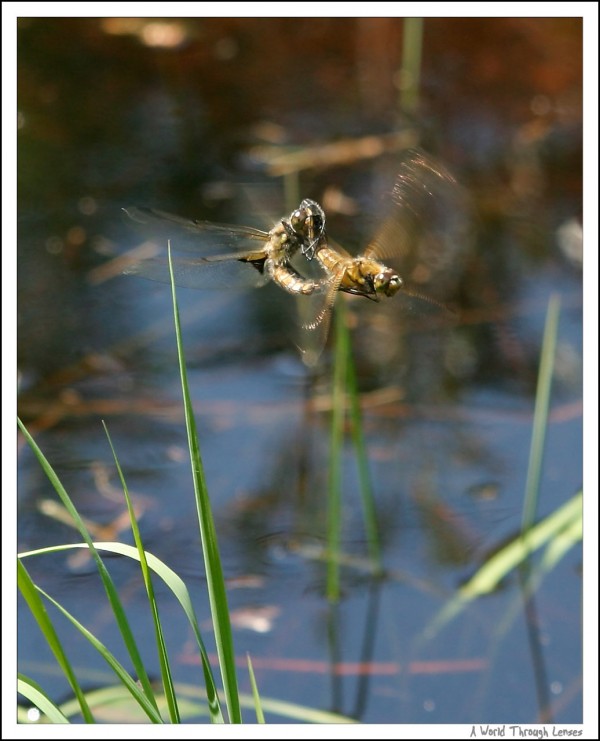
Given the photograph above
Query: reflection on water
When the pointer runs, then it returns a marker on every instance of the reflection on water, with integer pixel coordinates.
(178, 115)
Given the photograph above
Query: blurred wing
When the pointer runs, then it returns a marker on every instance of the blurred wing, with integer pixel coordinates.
(338, 248)
(315, 318)
(198, 237)
(223, 271)
(425, 231)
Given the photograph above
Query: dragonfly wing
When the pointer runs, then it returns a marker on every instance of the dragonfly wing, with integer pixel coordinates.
(197, 237)
(338, 248)
(425, 231)
(225, 272)
(315, 318)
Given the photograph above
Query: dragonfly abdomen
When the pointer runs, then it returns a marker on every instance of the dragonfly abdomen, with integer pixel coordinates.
(291, 281)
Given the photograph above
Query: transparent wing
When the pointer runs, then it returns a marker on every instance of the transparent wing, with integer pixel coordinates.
(425, 231)
(222, 271)
(314, 313)
(197, 237)
(338, 248)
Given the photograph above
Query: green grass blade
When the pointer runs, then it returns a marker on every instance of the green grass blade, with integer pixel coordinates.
(113, 704)
(291, 711)
(540, 415)
(165, 669)
(282, 708)
(561, 540)
(36, 695)
(38, 610)
(173, 582)
(334, 494)
(412, 46)
(559, 532)
(512, 555)
(148, 706)
(260, 718)
(107, 581)
(362, 460)
(564, 539)
(214, 573)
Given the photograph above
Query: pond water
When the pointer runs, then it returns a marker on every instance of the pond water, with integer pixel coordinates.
(228, 120)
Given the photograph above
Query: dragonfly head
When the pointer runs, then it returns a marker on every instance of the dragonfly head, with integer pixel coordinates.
(387, 282)
(308, 226)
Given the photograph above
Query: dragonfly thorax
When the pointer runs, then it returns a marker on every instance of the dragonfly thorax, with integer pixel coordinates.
(369, 277)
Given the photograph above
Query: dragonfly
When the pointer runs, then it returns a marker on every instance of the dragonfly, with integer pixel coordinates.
(297, 255)
(258, 256)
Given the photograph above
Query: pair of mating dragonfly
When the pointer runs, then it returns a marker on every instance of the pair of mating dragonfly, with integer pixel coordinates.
(296, 253)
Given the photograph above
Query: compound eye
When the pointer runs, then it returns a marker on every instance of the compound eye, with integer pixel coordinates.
(394, 284)
(315, 216)
(316, 222)
(387, 282)
(298, 218)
